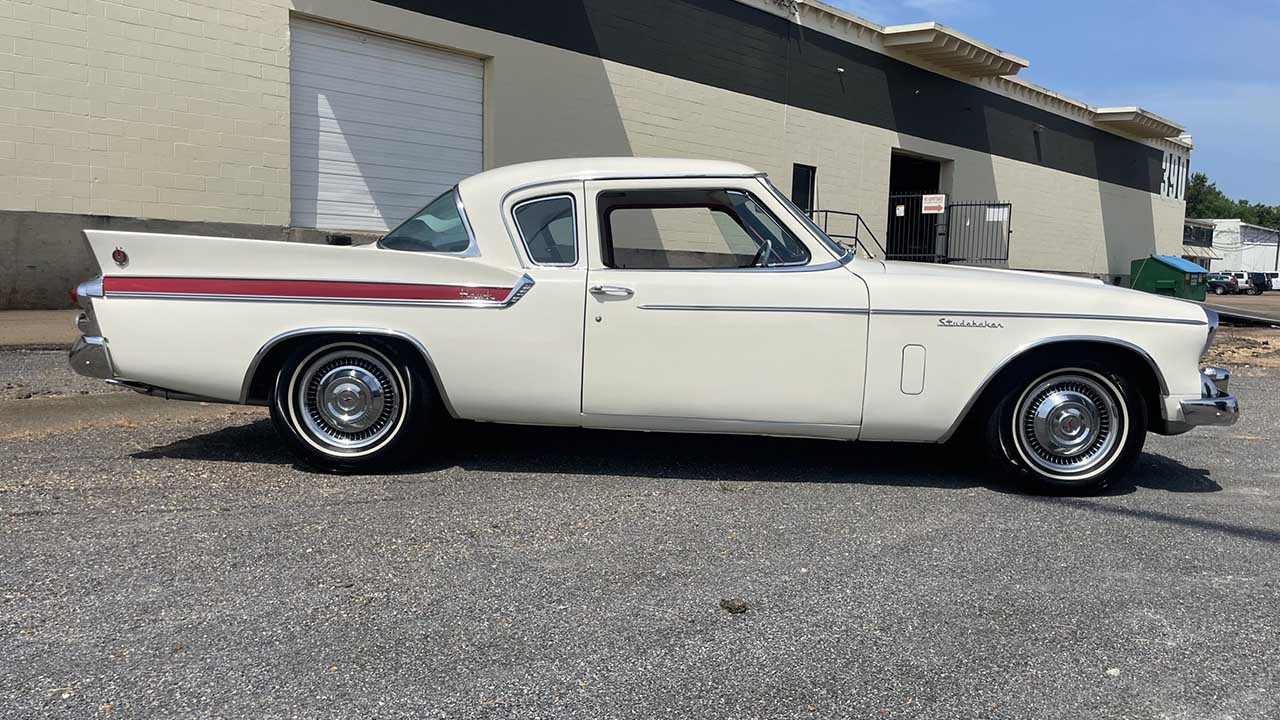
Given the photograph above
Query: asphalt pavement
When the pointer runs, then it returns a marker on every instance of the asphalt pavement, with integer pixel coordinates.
(164, 559)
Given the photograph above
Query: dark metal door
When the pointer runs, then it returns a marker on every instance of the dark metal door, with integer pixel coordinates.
(977, 233)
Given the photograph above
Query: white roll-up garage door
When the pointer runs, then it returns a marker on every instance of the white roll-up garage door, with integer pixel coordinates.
(378, 127)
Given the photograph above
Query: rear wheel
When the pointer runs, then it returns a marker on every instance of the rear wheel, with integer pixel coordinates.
(349, 406)
(1068, 430)
(1219, 290)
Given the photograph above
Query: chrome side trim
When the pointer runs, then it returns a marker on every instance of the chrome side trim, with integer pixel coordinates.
(760, 308)
(310, 300)
(982, 386)
(818, 267)
(345, 330)
(519, 290)
(520, 233)
(1034, 315)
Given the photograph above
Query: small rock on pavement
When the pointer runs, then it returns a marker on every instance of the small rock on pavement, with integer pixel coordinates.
(734, 606)
(1114, 672)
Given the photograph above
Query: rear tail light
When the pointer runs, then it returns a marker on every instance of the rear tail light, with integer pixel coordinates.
(85, 291)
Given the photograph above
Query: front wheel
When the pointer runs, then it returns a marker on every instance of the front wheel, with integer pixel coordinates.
(1219, 290)
(348, 406)
(1069, 430)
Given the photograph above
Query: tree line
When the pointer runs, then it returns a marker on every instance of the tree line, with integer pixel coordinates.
(1205, 200)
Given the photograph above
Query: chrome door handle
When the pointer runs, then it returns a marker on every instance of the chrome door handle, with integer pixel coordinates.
(613, 290)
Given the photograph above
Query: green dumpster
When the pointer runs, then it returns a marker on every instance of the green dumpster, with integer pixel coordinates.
(1168, 275)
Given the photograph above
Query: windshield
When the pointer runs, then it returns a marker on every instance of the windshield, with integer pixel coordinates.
(438, 227)
(837, 248)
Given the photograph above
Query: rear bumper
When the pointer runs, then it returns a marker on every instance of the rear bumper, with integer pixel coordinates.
(1215, 406)
(90, 357)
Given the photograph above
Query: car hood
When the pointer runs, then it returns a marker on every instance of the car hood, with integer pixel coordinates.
(975, 290)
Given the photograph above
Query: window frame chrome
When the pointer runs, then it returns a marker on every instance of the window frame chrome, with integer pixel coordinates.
(807, 265)
(573, 203)
(473, 247)
(842, 253)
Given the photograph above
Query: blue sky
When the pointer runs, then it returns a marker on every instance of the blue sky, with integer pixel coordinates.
(1213, 66)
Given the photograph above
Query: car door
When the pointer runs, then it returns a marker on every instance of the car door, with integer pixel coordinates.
(683, 332)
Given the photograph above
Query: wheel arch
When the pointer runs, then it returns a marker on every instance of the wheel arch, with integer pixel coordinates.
(1146, 373)
(257, 379)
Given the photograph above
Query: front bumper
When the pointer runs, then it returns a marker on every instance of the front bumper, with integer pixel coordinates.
(1215, 406)
(90, 357)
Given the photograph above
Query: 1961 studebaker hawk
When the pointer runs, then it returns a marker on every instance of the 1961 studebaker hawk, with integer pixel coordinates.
(645, 294)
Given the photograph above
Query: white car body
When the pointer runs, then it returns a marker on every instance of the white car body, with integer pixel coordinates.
(843, 346)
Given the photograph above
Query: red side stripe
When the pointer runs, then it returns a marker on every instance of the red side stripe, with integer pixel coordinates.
(301, 289)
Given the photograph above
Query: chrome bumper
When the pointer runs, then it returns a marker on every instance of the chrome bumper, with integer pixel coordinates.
(1215, 406)
(90, 357)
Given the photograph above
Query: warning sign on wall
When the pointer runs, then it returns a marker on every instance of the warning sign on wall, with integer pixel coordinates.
(934, 205)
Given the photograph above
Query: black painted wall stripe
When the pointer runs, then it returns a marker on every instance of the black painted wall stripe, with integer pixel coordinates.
(726, 44)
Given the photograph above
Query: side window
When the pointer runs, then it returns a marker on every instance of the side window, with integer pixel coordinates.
(438, 227)
(548, 230)
(692, 230)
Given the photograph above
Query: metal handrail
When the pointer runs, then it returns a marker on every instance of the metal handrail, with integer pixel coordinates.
(858, 225)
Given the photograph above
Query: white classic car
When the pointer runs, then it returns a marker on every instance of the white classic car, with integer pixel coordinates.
(645, 294)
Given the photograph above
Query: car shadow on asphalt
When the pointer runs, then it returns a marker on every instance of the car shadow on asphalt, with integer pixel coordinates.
(671, 456)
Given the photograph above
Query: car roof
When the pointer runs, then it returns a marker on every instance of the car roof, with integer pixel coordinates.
(502, 179)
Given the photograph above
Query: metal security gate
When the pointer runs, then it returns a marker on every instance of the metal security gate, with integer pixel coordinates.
(911, 234)
(978, 233)
(972, 233)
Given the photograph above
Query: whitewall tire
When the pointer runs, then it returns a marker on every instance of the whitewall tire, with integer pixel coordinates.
(348, 406)
(1068, 430)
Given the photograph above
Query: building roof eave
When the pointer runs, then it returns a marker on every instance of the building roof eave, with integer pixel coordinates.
(1137, 121)
(944, 47)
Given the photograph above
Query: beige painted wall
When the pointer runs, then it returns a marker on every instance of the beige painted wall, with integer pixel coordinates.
(178, 110)
(173, 109)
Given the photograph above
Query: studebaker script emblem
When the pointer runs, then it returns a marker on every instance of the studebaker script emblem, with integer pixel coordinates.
(948, 322)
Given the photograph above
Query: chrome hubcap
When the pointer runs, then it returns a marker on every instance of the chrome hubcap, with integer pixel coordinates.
(1069, 424)
(349, 399)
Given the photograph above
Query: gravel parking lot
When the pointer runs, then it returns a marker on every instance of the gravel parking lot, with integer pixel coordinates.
(170, 560)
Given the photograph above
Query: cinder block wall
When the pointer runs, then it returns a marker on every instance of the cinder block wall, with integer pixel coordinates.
(177, 111)
(169, 109)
